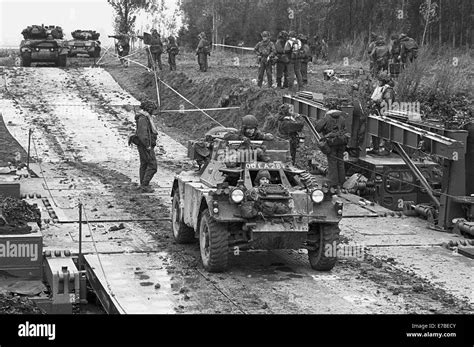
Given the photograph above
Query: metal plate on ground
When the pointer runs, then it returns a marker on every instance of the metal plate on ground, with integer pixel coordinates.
(134, 284)
(467, 251)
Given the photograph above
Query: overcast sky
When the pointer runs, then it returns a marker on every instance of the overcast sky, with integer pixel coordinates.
(15, 15)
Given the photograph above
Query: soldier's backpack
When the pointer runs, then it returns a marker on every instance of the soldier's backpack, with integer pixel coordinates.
(297, 51)
(337, 138)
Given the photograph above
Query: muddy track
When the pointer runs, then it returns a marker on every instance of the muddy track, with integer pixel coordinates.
(257, 281)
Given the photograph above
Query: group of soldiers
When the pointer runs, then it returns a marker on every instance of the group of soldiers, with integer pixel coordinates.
(290, 53)
(400, 50)
(155, 49)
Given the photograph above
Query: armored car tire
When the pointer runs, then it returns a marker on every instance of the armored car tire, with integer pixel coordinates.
(323, 238)
(26, 60)
(181, 232)
(213, 243)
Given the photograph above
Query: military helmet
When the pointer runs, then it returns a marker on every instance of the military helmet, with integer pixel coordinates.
(402, 36)
(384, 77)
(302, 37)
(292, 33)
(260, 175)
(265, 34)
(249, 121)
(283, 34)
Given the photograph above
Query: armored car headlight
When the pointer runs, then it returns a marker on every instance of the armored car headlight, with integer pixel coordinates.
(317, 196)
(237, 195)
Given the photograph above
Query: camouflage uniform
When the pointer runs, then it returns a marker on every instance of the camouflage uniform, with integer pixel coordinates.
(283, 60)
(289, 125)
(265, 51)
(305, 59)
(379, 56)
(156, 49)
(292, 46)
(333, 124)
(409, 49)
(172, 51)
(202, 51)
(147, 136)
(122, 46)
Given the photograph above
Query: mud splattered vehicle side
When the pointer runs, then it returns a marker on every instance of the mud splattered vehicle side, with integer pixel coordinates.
(43, 45)
(221, 207)
(84, 42)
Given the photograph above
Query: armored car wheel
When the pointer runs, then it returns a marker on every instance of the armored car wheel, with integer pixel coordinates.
(181, 232)
(324, 239)
(213, 243)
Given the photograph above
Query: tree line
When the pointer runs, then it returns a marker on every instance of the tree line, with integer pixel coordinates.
(233, 22)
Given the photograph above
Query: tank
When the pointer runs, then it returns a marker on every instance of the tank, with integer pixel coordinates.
(227, 209)
(43, 44)
(84, 42)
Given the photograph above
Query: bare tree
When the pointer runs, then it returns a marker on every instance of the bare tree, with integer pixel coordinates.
(428, 12)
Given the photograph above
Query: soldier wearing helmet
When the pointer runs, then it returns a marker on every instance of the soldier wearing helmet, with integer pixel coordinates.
(156, 49)
(249, 131)
(333, 129)
(173, 50)
(289, 127)
(379, 55)
(305, 57)
(266, 53)
(202, 51)
(408, 49)
(292, 49)
(282, 60)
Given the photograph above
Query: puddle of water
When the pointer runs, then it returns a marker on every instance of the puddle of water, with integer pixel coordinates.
(146, 284)
(325, 277)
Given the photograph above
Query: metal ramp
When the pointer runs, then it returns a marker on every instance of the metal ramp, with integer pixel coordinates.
(131, 283)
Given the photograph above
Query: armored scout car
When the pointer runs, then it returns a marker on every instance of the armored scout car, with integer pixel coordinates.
(223, 206)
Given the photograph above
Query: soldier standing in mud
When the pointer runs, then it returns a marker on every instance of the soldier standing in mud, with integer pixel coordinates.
(202, 51)
(282, 60)
(289, 126)
(145, 139)
(333, 128)
(172, 51)
(266, 52)
(122, 47)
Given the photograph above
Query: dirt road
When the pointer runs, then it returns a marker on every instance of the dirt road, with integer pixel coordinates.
(81, 119)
